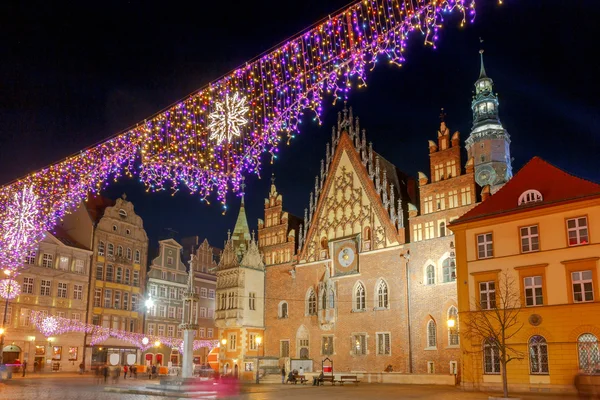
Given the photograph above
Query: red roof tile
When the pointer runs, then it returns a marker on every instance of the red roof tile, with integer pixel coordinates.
(554, 184)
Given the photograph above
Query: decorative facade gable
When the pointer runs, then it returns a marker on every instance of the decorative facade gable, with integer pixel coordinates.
(350, 204)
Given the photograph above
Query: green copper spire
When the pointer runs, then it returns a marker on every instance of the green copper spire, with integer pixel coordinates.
(482, 69)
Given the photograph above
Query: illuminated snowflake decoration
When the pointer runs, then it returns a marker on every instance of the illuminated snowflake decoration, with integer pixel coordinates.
(21, 227)
(226, 120)
(49, 326)
(9, 289)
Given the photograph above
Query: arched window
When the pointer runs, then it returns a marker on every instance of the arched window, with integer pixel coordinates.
(491, 358)
(120, 251)
(449, 270)
(442, 229)
(323, 243)
(430, 275)
(119, 275)
(101, 248)
(359, 297)
(324, 299)
(311, 306)
(331, 298)
(137, 256)
(538, 355)
(382, 295)
(111, 250)
(129, 253)
(589, 356)
(452, 326)
(431, 334)
(283, 309)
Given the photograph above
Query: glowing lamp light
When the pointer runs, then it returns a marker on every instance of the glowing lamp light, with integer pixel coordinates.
(451, 323)
(145, 341)
(157, 343)
(258, 340)
(2, 331)
(224, 342)
(9, 289)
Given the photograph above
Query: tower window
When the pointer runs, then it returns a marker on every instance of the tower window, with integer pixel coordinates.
(482, 158)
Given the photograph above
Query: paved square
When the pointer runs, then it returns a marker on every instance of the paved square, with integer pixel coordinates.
(77, 387)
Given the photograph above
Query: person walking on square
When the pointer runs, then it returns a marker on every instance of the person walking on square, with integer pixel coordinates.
(105, 373)
(125, 369)
(283, 375)
(24, 367)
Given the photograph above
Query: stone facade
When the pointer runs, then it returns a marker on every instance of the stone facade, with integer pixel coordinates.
(119, 263)
(204, 264)
(167, 280)
(240, 302)
(54, 281)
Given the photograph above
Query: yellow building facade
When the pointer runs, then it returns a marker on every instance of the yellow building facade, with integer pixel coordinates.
(542, 232)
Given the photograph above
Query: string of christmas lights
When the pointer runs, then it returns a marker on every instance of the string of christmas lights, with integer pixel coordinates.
(51, 326)
(9, 289)
(207, 141)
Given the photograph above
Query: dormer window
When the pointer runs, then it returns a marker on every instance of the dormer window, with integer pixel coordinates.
(122, 213)
(530, 196)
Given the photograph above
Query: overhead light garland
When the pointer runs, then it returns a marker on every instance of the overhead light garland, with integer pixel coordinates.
(207, 141)
(51, 326)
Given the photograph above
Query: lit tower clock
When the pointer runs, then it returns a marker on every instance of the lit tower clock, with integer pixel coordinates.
(489, 142)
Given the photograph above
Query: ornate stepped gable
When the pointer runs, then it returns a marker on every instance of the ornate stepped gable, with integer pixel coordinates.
(357, 192)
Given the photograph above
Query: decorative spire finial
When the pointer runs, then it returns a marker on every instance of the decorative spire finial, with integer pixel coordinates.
(482, 73)
(272, 178)
(243, 187)
(442, 115)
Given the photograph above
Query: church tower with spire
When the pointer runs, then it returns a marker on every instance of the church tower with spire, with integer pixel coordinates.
(240, 300)
(489, 143)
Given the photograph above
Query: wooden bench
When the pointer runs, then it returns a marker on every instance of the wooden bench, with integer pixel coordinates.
(327, 378)
(348, 378)
(300, 378)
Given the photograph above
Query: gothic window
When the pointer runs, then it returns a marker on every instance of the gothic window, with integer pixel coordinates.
(431, 334)
(442, 229)
(449, 270)
(311, 302)
(324, 299)
(382, 295)
(111, 250)
(538, 355)
(359, 297)
(283, 309)
(452, 326)
(323, 243)
(331, 298)
(367, 233)
(430, 275)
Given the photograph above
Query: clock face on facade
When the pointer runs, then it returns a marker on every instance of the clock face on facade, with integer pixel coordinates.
(346, 256)
(485, 176)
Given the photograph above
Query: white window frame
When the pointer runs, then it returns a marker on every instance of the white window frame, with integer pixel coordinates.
(45, 287)
(485, 290)
(485, 245)
(47, 260)
(577, 280)
(530, 238)
(359, 344)
(530, 284)
(577, 230)
(491, 352)
(28, 285)
(77, 292)
(431, 334)
(203, 292)
(381, 338)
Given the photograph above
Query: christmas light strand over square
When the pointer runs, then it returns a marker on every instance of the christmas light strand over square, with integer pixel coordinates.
(174, 148)
(54, 326)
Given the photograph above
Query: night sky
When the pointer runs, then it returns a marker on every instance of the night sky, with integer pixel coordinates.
(72, 76)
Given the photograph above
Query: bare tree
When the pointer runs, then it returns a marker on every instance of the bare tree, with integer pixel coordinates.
(495, 321)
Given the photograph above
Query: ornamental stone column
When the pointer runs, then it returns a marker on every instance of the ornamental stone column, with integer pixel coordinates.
(189, 324)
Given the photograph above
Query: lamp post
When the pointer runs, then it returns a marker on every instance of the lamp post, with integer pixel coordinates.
(222, 358)
(11, 292)
(258, 340)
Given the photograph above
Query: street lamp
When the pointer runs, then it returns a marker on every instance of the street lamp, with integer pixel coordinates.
(257, 340)
(451, 323)
(12, 290)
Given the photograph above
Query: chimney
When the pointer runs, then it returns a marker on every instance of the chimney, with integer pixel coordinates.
(485, 193)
